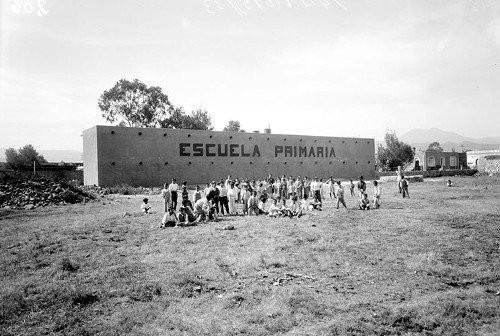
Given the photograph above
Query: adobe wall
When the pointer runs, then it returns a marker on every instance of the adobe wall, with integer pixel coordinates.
(152, 156)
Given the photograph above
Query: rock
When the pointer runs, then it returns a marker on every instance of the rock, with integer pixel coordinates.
(29, 207)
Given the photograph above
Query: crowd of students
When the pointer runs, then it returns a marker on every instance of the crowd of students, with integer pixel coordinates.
(273, 197)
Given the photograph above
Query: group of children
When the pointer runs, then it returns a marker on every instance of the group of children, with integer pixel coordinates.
(290, 197)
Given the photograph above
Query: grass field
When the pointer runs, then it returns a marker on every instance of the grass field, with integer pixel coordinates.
(428, 265)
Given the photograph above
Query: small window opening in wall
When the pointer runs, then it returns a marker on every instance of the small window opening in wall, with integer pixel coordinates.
(249, 138)
(231, 137)
(285, 162)
(112, 132)
(356, 162)
(315, 140)
(164, 134)
(343, 162)
(189, 162)
(232, 162)
(369, 162)
(211, 162)
(166, 163)
(330, 162)
(330, 141)
(368, 142)
(189, 135)
(268, 139)
(211, 136)
(301, 162)
(284, 139)
(140, 133)
(343, 141)
(250, 162)
(356, 141)
(113, 163)
(301, 140)
(316, 162)
(268, 162)
(140, 163)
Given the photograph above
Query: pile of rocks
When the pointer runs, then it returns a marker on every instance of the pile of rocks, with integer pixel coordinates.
(122, 189)
(29, 194)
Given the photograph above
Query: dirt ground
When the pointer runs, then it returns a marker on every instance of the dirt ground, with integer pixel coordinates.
(427, 265)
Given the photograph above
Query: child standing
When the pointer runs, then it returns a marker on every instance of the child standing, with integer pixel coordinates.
(403, 184)
(245, 196)
(377, 191)
(351, 188)
(232, 194)
(173, 188)
(253, 204)
(197, 194)
(165, 194)
(361, 187)
(339, 195)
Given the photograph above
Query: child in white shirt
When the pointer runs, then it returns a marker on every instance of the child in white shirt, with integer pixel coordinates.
(145, 207)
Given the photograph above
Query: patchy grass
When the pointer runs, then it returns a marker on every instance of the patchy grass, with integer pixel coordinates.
(428, 265)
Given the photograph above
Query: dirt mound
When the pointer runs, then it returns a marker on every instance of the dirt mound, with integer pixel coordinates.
(29, 194)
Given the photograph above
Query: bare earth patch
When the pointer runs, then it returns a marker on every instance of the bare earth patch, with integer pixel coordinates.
(428, 265)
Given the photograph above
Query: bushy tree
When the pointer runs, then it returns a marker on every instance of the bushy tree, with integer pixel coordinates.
(198, 120)
(435, 146)
(134, 104)
(233, 126)
(395, 153)
(25, 156)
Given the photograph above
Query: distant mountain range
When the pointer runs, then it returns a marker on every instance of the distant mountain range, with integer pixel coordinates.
(54, 155)
(421, 138)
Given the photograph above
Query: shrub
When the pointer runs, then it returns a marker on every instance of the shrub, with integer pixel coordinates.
(67, 266)
(69, 196)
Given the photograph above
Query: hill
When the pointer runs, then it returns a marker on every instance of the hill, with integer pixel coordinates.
(421, 138)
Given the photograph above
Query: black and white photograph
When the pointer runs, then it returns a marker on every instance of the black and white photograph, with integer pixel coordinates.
(249, 167)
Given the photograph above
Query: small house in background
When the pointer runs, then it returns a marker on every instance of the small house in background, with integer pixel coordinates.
(436, 160)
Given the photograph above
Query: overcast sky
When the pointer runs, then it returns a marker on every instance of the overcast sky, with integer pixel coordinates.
(313, 67)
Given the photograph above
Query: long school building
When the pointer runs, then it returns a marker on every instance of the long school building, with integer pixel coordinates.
(114, 155)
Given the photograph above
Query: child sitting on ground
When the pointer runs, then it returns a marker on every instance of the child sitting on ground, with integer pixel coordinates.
(285, 211)
(295, 208)
(364, 202)
(316, 204)
(145, 207)
(304, 204)
(274, 209)
(186, 215)
(169, 219)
